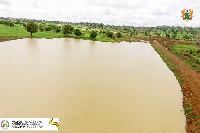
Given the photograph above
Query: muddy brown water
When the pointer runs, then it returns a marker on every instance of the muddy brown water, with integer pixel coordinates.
(92, 87)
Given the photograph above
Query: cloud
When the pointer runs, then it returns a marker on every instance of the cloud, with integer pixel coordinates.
(113, 12)
(5, 2)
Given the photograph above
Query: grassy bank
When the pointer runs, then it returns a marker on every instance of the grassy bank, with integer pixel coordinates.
(187, 53)
(19, 31)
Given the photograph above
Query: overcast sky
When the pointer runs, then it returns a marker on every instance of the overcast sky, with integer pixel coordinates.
(113, 12)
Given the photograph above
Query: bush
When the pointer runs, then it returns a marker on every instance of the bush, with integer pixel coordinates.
(119, 34)
(41, 27)
(109, 34)
(24, 24)
(47, 28)
(11, 24)
(93, 34)
(58, 29)
(5, 22)
(77, 32)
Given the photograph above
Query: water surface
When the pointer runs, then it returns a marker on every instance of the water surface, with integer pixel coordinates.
(93, 87)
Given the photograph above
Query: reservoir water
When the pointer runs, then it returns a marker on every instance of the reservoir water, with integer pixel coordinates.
(92, 87)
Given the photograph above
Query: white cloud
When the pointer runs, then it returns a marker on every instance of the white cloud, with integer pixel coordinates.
(5, 2)
(114, 12)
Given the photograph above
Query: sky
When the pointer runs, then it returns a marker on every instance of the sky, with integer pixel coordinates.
(113, 12)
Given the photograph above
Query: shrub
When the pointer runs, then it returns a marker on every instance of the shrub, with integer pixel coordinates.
(77, 32)
(47, 28)
(119, 34)
(109, 34)
(93, 34)
(58, 29)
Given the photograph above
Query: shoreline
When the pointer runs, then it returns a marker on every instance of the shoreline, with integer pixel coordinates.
(189, 80)
(3, 39)
(188, 77)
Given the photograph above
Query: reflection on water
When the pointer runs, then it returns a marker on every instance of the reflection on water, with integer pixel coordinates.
(32, 41)
(93, 87)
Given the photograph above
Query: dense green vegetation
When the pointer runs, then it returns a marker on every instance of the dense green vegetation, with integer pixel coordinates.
(50, 29)
(190, 54)
(77, 32)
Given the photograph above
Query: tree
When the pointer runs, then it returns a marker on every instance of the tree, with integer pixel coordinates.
(32, 27)
(119, 34)
(101, 25)
(109, 34)
(77, 32)
(47, 28)
(67, 29)
(41, 27)
(58, 29)
(93, 34)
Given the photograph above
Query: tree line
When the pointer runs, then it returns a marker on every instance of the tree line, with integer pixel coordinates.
(181, 33)
(67, 29)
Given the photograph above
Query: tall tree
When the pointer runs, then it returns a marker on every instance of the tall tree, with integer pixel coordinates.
(67, 29)
(32, 27)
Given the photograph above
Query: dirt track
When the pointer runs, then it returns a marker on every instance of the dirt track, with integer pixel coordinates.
(190, 87)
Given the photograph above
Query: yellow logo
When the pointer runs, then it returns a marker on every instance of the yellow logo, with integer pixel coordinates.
(187, 14)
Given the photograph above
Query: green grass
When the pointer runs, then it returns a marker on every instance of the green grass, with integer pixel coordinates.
(16, 31)
(189, 114)
(188, 53)
(19, 31)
